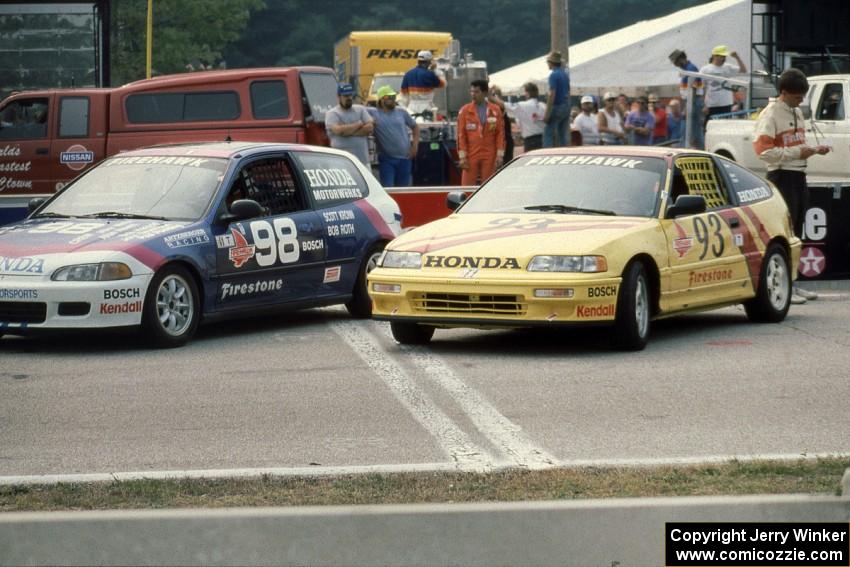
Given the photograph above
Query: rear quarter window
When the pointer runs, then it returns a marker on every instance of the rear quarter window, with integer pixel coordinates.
(331, 180)
(746, 186)
(269, 99)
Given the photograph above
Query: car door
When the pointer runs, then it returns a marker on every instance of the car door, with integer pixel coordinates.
(830, 125)
(276, 257)
(706, 265)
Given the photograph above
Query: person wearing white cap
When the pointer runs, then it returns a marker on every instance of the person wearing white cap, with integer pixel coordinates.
(719, 98)
(610, 122)
(586, 123)
(418, 84)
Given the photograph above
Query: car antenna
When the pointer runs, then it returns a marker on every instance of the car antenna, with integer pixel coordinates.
(228, 138)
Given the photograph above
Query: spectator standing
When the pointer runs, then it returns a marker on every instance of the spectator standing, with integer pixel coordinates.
(718, 98)
(675, 122)
(639, 123)
(780, 142)
(418, 84)
(349, 125)
(557, 104)
(587, 123)
(624, 105)
(480, 136)
(610, 122)
(659, 132)
(495, 97)
(397, 137)
(529, 115)
(680, 60)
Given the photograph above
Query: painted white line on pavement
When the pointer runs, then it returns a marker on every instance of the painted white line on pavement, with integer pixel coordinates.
(507, 436)
(454, 441)
(319, 471)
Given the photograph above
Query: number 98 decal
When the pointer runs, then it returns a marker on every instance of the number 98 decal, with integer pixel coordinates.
(709, 235)
(275, 241)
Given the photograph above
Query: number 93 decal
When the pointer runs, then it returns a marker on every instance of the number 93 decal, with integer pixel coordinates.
(709, 235)
(275, 241)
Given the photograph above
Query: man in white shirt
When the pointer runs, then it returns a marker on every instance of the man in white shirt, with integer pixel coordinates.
(586, 123)
(719, 98)
(529, 115)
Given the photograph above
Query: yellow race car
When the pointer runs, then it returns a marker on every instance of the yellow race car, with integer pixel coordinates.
(593, 235)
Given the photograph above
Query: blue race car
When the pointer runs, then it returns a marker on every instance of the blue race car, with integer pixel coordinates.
(168, 236)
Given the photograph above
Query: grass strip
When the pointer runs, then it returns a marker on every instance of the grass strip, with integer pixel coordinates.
(821, 476)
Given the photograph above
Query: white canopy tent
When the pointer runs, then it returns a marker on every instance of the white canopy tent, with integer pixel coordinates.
(634, 59)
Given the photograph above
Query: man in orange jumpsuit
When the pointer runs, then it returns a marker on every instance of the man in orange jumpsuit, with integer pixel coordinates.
(480, 136)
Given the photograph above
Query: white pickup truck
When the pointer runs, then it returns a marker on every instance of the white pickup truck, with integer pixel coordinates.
(827, 123)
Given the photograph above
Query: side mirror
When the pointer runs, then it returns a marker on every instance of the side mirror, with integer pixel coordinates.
(243, 209)
(686, 205)
(455, 199)
(34, 204)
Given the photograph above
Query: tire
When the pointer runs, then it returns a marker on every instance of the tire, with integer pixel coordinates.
(773, 297)
(172, 308)
(360, 305)
(634, 310)
(407, 333)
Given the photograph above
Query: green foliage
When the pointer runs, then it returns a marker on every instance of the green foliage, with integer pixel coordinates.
(185, 32)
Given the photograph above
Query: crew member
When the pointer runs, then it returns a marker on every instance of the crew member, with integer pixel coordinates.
(418, 84)
(480, 136)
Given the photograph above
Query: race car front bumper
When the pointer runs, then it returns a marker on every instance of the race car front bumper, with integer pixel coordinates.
(533, 300)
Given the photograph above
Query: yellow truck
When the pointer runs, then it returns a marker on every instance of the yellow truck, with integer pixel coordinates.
(361, 54)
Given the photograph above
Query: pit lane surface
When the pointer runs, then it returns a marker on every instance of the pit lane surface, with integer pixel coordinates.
(316, 389)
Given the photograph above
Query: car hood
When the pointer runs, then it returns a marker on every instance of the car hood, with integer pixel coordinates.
(38, 246)
(519, 236)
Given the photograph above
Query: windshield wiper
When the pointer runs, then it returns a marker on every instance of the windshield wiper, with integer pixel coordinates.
(117, 215)
(51, 215)
(569, 209)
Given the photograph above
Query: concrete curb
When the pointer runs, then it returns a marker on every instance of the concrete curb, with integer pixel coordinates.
(622, 532)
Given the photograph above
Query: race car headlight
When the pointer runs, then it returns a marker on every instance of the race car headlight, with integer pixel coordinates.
(568, 264)
(396, 259)
(102, 272)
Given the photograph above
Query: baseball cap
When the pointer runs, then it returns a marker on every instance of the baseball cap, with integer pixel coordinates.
(587, 98)
(345, 89)
(386, 90)
(720, 50)
(653, 97)
(425, 55)
(608, 95)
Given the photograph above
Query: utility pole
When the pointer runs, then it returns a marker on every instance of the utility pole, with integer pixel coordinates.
(560, 29)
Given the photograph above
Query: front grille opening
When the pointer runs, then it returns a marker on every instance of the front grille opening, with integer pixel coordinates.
(469, 303)
(74, 308)
(22, 312)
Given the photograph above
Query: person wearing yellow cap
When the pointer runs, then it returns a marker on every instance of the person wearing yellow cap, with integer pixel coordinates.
(397, 137)
(719, 97)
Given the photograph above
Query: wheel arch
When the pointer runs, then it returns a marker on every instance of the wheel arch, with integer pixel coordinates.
(196, 277)
(652, 273)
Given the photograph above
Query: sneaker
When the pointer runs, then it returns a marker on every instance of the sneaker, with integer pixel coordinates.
(806, 294)
(797, 299)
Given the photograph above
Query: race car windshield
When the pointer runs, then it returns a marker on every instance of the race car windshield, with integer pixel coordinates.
(574, 184)
(148, 187)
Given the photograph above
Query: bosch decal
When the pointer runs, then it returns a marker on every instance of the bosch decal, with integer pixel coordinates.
(489, 262)
(189, 238)
(23, 265)
(18, 294)
(241, 251)
(128, 293)
(309, 245)
(120, 308)
(592, 311)
(260, 286)
(602, 291)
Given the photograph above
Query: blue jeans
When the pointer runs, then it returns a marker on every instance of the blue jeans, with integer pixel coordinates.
(697, 140)
(559, 121)
(394, 172)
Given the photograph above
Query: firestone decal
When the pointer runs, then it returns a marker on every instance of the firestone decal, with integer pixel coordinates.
(253, 288)
(709, 276)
